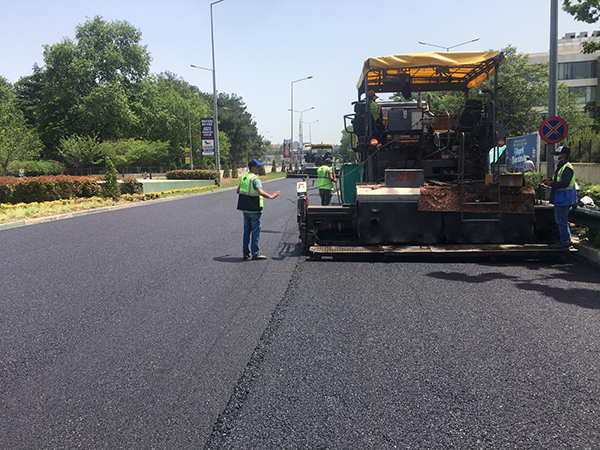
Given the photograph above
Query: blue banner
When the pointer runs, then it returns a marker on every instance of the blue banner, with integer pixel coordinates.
(518, 149)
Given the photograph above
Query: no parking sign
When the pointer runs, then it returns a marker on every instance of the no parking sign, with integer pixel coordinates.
(553, 130)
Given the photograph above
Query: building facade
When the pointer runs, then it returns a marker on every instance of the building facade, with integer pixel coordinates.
(577, 70)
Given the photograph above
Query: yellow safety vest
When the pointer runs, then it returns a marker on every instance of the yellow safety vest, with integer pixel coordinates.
(249, 199)
(323, 181)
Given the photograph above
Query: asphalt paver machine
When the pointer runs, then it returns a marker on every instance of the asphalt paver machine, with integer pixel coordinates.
(426, 181)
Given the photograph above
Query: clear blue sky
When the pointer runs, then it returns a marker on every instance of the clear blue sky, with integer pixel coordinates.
(261, 46)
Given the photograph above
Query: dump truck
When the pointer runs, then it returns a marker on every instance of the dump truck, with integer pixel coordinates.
(426, 181)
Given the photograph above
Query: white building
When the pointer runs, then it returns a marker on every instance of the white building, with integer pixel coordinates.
(577, 70)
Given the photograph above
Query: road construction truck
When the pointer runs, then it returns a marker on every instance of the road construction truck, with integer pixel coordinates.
(425, 180)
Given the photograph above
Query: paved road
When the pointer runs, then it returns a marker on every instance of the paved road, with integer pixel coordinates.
(142, 328)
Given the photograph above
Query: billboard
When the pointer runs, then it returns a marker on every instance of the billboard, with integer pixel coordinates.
(517, 150)
(208, 136)
(286, 148)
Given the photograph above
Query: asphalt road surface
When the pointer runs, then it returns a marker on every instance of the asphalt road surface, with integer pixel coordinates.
(143, 328)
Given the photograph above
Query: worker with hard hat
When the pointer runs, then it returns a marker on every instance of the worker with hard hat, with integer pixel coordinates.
(563, 194)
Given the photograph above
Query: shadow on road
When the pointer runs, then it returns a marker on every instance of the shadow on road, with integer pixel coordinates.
(481, 278)
(228, 259)
(586, 298)
(289, 250)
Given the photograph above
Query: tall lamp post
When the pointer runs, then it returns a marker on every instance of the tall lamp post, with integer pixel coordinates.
(214, 76)
(448, 48)
(300, 135)
(310, 129)
(292, 111)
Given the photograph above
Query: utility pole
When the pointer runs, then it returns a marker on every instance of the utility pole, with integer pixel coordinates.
(553, 92)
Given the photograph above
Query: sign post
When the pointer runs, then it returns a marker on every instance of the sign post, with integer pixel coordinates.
(208, 136)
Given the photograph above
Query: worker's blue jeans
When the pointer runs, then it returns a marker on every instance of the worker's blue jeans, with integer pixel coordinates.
(252, 222)
(561, 217)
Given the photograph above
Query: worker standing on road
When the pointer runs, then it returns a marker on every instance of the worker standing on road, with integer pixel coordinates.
(250, 202)
(563, 194)
(325, 180)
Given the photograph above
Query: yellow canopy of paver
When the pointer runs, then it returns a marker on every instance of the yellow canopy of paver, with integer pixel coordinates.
(435, 71)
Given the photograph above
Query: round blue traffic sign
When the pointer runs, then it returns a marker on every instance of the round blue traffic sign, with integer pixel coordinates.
(553, 130)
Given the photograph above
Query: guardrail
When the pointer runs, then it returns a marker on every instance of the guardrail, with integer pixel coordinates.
(585, 217)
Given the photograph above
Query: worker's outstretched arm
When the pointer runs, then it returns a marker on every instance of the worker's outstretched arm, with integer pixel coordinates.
(262, 192)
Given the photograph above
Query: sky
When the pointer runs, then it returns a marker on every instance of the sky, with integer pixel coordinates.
(262, 46)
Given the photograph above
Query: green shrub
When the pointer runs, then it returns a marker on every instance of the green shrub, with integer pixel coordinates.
(36, 168)
(591, 190)
(46, 188)
(283, 166)
(274, 166)
(131, 186)
(193, 175)
(533, 179)
(226, 173)
(262, 171)
(234, 171)
(110, 187)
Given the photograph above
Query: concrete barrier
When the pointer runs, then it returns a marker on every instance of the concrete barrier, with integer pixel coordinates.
(588, 172)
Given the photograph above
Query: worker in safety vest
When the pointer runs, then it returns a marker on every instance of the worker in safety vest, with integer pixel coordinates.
(325, 180)
(250, 202)
(376, 113)
(563, 194)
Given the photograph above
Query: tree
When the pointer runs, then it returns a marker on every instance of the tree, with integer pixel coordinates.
(82, 151)
(111, 188)
(89, 82)
(134, 152)
(17, 140)
(587, 11)
(523, 91)
(274, 166)
(344, 151)
(237, 123)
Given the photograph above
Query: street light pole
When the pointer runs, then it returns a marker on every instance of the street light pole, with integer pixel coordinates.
(215, 113)
(300, 135)
(448, 48)
(310, 130)
(292, 112)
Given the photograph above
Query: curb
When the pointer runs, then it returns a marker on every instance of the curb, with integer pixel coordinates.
(588, 253)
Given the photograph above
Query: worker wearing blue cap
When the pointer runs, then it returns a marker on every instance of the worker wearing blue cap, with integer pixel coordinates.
(250, 202)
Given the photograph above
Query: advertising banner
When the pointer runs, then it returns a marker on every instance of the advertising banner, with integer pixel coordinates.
(286, 148)
(518, 149)
(208, 136)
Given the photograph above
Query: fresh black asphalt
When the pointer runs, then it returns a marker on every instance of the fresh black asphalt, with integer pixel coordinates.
(142, 328)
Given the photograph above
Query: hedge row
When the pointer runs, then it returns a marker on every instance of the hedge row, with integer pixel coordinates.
(49, 188)
(36, 168)
(194, 175)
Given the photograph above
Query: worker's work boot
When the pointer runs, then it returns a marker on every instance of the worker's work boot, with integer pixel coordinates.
(259, 256)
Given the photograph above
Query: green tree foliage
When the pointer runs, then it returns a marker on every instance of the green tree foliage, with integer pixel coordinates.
(17, 140)
(237, 123)
(226, 172)
(81, 151)
(135, 152)
(523, 89)
(110, 187)
(274, 166)
(344, 152)
(587, 11)
(234, 170)
(94, 77)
